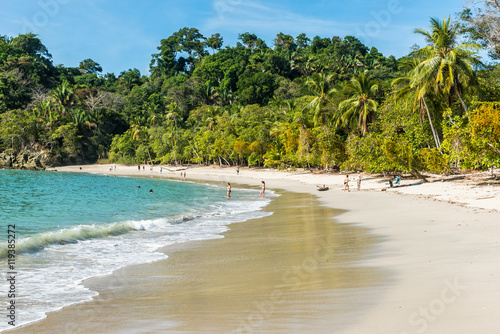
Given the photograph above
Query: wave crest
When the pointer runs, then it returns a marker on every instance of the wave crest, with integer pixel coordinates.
(66, 236)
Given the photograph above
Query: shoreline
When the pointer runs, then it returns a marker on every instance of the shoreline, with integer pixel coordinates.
(442, 256)
(469, 190)
(305, 282)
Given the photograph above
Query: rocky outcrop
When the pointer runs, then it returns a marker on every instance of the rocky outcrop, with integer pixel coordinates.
(31, 160)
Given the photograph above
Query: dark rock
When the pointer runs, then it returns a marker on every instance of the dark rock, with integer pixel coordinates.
(32, 160)
(5, 160)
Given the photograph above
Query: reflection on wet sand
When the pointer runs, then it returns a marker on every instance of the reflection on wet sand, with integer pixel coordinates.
(296, 271)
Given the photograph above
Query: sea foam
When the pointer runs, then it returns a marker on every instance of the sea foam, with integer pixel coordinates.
(52, 265)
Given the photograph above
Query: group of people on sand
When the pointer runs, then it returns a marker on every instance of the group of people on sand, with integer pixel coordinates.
(262, 190)
(346, 182)
(183, 176)
(396, 181)
(144, 168)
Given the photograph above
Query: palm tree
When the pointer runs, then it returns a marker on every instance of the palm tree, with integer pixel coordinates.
(322, 87)
(63, 95)
(360, 105)
(173, 115)
(409, 84)
(211, 118)
(140, 134)
(448, 66)
(153, 113)
(207, 93)
(82, 119)
(225, 96)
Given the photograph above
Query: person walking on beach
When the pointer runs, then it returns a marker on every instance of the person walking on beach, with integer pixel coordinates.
(228, 190)
(346, 183)
(238, 171)
(359, 181)
(263, 189)
(139, 168)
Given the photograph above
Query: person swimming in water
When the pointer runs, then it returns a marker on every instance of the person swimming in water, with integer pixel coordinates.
(228, 190)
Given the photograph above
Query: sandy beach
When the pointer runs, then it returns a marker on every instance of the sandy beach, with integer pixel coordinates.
(416, 259)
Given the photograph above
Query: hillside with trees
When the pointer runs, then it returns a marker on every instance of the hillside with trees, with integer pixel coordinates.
(303, 102)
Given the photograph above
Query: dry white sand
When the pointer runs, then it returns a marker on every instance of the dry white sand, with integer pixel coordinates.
(441, 259)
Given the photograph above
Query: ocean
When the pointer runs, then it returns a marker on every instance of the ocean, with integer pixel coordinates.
(70, 227)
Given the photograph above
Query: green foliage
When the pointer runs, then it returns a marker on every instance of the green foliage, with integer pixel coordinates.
(366, 153)
(317, 102)
(123, 149)
(67, 142)
(474, 143)
(90, 66)
(215, 42)
(376, 153)
(12, 94)
(16, 130)
(256, 87)
(433, 161)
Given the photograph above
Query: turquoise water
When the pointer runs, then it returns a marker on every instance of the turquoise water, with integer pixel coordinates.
(70, 227)
(47, 201)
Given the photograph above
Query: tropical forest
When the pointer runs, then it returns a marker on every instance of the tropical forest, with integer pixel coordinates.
(329, 103)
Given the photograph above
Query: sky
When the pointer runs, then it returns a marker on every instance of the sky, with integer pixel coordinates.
(123, 34)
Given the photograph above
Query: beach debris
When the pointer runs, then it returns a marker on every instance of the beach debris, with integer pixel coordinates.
(489, 197)
(323, 188)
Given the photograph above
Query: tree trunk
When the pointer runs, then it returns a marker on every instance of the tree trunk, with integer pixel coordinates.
(461, 100)
(228, 163)
(173, 149)
(418, 175)
(150, 161)
(193, 149)
(434, 133)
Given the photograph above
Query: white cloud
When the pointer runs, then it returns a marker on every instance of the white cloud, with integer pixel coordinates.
(257, 17)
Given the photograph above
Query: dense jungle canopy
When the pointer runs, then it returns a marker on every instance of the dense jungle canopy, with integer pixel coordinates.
(326, 102)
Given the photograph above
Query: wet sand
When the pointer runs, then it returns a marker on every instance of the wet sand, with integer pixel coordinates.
(296, 271)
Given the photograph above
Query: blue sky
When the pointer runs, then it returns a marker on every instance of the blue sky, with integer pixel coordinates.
(123, 34)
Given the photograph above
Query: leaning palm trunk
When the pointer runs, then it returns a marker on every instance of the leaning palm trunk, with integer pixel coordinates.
(150, 160)
(461, 100)
(174, 149)
(360, 120)
(194, 149)
(434, 133)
